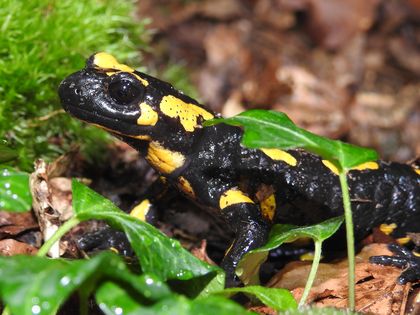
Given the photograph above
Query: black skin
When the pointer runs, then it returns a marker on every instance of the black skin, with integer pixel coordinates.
(216, 162)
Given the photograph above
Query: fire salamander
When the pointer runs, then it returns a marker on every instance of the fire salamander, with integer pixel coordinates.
(250, 188)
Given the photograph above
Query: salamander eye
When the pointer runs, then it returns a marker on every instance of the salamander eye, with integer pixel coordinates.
(124, 91)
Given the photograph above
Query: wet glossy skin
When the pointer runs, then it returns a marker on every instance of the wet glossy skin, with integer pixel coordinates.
(250, 188)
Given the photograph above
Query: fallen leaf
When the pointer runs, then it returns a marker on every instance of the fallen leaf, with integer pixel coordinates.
(11, 247)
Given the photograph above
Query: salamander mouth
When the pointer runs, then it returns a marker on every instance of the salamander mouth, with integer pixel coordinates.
(112, 125)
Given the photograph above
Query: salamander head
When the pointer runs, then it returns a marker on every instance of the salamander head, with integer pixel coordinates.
(130, 104)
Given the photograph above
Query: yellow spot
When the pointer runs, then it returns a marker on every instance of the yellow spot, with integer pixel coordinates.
(104, 60)
(233, 196)
(307, 257)
(148, 116)
(187, 113)
(417, 170)
(164, 160)
(403, 240)
(366, 166)
(416, 253)
(268, 207)
(280, 155)
(140, 137)
(114, 250)
(229, 248)
(331, 166)
(140, 211)
(387, 228)
(185, 186)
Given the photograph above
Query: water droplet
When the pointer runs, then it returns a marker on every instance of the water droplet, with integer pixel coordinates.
(6, 172)
(180, 274)
(46, 305)
(149, 281)
(14, 196)
(36, 309)
(7, 185)
(8, 192)
(118, 311)
(65, 281)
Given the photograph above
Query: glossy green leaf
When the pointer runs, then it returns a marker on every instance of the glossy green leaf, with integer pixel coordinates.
(113, 299)
(278, 299)
(157, 253)
(39, 285)
(6, 153)
(270, 129)
(14, 190)
(249, 266)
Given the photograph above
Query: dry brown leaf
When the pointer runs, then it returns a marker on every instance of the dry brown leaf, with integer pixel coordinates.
(11, 247)
(376, 288)
(333, 23)
(201, 253)
(12, 224)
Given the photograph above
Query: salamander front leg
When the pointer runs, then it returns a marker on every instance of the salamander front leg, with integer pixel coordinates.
(250, 228)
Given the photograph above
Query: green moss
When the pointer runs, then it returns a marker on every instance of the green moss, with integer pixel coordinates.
(42, 42)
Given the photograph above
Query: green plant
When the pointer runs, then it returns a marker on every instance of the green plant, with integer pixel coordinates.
(40, 285)
(42, 42)
(270, 129)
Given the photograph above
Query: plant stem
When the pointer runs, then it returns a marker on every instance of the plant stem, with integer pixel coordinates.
(312, 273)
(67, 226)
(350, 238)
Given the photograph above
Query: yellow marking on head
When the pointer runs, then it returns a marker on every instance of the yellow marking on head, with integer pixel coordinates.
(331, 166)
(185, 186)
(187, 113)
(417, 170)
(268, 207)
(140, 211)
(140, 137)
(164, 160)
(233, 196)
(280, 155)
(148, 116)
(416, 253)
(104, 60)
(403, 240)
(366, 166)
(387, 228)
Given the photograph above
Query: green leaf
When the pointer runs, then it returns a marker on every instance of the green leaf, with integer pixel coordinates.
(7, 154)
(249, 265)
(39, 285)
(157, 253)
(270, 129)
(278, 299)
(14, 190)
(113, 299)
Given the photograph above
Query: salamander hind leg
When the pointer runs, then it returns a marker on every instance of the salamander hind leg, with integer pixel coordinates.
(403, 258)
